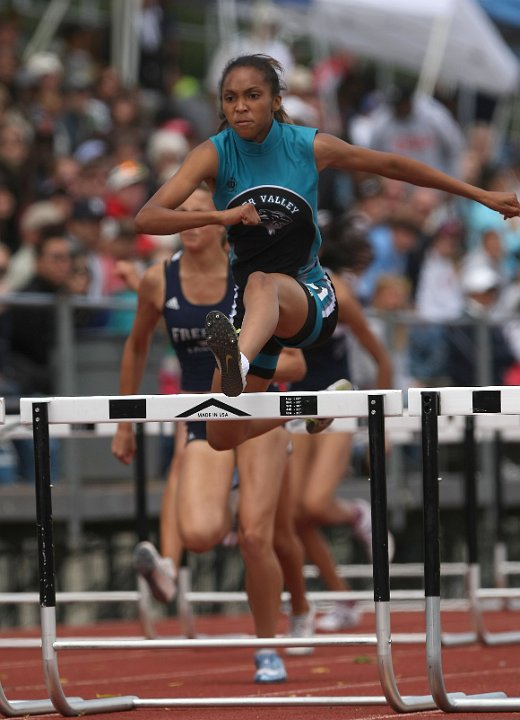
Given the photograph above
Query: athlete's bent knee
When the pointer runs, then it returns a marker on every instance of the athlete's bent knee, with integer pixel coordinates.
(252, 544)
(201, 541)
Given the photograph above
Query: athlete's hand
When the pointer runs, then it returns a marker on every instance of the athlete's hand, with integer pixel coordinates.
(123, 443)
(506, 203)
(245, 214)
(127, 271)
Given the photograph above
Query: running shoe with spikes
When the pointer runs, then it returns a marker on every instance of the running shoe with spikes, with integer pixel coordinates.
(317, 425)
(222, 340)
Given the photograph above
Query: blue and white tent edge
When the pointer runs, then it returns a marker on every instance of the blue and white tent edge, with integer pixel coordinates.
(453, 42)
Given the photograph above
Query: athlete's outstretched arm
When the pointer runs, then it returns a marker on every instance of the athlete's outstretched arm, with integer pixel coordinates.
(161, 215)
(330, 151)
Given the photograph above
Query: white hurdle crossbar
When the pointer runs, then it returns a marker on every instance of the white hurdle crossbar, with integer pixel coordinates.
(375, 405)
(429, 404)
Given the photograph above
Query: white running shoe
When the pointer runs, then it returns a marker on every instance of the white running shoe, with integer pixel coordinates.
(159, 572)
(362, 529)
(340, 617)
(301, 626)
(317, 425)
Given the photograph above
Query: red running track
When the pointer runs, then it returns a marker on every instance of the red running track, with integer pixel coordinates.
(329, 671)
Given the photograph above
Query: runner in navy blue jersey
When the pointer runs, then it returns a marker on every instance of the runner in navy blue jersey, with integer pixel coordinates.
(182, 291)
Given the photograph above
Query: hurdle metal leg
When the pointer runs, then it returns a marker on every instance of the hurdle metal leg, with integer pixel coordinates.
(67, 706)
(502, 566)
(457, 639)
(475, 591)
(475, 703)
(378, 501)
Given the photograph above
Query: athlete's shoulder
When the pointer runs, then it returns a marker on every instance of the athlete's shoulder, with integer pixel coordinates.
(221, 138)
(153, 278)
(299, 130)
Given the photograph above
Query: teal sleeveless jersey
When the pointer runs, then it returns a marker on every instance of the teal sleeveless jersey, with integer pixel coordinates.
(279, 176)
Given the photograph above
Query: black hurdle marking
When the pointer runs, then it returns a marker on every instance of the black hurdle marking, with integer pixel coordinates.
(500, 512)
(83, 427)
(430, 405)
(43, 504)
(141, 498)
(487, 401)
(378, 500)
(298, 405)
(207, 409)
(127, 409)
(470, 489)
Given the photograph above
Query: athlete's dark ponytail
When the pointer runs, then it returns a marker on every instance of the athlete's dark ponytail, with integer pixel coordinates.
(270, 69)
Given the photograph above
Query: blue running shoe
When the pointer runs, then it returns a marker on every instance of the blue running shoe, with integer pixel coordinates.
(269, 667)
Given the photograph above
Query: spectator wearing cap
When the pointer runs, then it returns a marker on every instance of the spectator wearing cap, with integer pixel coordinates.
(85, 232)
(491, 254)
(82, 117)
(127, 185)
(418, 126)
(438, 300)
(165, 151)
(439, 295)
(481, 286)
(43, 72)
(128, 189)
(34, 221)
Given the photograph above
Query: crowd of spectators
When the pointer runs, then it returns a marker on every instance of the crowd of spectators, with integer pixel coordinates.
(80, 152)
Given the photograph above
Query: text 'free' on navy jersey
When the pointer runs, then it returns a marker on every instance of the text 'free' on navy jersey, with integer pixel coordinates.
(280, 178)
(185, 324)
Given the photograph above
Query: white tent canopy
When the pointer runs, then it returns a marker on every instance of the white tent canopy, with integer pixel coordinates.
(449, 41)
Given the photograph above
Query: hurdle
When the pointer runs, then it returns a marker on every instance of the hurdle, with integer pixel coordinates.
(429, 403)
(373, 405)
(484, 424)
(17, 708)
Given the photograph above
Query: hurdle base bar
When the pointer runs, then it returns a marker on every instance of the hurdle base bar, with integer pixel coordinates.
(66, 705)
(398, 702)
(19, 708)
(486, 702)
(476, 594)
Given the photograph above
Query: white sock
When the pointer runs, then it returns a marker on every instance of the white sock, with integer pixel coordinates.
(244, 362)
